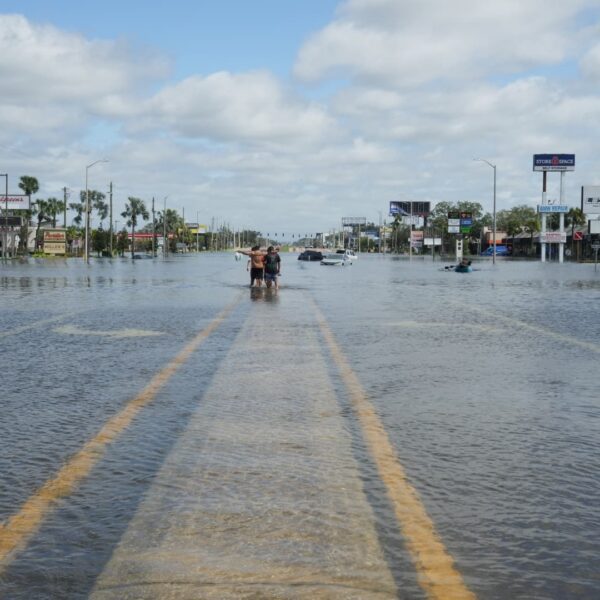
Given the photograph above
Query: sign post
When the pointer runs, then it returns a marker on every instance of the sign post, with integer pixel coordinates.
(560, 163)
(595, 248)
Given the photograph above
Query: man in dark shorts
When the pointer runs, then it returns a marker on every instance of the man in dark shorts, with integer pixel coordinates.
(256, 264)
(272, 267)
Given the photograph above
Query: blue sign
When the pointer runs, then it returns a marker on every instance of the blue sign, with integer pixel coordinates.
(553, 162)
(553, 208)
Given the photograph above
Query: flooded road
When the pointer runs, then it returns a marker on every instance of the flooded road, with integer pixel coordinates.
(381, 430)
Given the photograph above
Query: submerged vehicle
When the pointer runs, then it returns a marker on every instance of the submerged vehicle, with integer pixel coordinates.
(336, 259)
(310, 255)
(348, 253)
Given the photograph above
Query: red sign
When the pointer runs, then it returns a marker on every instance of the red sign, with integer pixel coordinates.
(577, 236)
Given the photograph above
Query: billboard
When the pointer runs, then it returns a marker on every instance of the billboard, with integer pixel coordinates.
(460, 221)
(590, 199)
(418, 209)
(352, 221)
(15, 202)
(553, 162)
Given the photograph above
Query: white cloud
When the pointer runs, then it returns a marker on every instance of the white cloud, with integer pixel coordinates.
(419, 41)
(590, 63)
(50, 64)
(246, 106)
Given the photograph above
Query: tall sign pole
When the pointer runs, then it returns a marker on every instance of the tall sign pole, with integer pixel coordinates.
(110, 237)
(544, 202)
(560, 163)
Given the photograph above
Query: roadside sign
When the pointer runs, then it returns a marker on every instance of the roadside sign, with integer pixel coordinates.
(459, 222)
(553, 162)
(577, 236)
(10, 220)
(553, 208)
(554, 237)
(596, 246)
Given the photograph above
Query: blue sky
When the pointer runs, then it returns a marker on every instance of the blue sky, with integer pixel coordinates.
(268, 114)
(236, 35)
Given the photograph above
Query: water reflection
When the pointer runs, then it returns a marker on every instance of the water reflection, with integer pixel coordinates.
(264, 294)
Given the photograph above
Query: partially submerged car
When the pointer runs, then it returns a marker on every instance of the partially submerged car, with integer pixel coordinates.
(336, 259)
(311, 255)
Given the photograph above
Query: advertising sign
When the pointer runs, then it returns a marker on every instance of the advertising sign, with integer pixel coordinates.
(594, 227)
(554, 237)
(590, 199)
(419, 209)
(553, 208)
(55, 241)
(15, 202)
(459, 222)
(352, 221)
(416, 239)
(553, 162)
(10, 221)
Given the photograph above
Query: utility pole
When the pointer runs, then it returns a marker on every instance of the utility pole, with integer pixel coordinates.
(65, 207)
(153, 230)
(165, 228)
(110, 239)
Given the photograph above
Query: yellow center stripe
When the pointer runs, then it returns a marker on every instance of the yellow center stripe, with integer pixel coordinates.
(435, 568)
(21, 526)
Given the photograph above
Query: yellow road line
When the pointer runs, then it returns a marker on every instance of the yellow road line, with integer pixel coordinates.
(21, 526)
(435, 568)
(537, 328)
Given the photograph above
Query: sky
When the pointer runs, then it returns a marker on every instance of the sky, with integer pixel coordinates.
(284, 116)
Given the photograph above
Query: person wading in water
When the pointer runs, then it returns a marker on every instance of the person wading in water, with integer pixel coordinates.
(272, 267)
(257, 265)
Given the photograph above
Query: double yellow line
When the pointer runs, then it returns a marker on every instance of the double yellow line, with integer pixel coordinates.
(435, 568)
(19, 528)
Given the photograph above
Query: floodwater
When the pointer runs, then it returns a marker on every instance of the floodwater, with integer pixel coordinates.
(381, 430)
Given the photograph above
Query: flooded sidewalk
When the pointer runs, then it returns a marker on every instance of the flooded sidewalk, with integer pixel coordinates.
(261, 496)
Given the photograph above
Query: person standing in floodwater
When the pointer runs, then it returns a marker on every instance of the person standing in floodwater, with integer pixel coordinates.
(256, 265)
(272, 267)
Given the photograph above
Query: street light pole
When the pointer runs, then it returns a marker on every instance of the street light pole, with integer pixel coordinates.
(494, 208)
(87, 210)
(5, 232)
(165, 227)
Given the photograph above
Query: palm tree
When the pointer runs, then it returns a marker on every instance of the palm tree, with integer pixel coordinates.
(29, 185)
(134, 208)
(41, 207)
(54, 207)
(532, 225)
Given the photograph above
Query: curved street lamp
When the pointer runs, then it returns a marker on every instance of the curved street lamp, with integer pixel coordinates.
(494, 208)
(87, 209)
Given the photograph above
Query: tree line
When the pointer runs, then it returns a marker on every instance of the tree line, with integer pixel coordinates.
(50, 210)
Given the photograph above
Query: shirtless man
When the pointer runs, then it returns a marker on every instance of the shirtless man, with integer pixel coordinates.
(257, 265)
